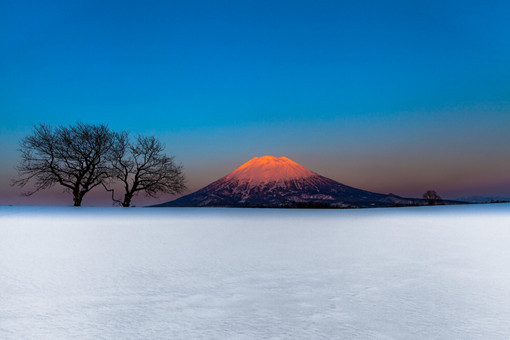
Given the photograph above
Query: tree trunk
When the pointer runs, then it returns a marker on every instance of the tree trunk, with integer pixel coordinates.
(127, 200)
(77, 199)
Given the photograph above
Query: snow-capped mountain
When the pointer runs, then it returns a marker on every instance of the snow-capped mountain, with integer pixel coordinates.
(280, 182)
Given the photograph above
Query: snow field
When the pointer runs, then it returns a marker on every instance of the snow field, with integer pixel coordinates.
(204, 273)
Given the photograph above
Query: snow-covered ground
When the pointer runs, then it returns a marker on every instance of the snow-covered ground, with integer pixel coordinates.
(149, 273)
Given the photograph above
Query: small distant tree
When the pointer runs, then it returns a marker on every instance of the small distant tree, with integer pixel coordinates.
(142, 166)
(73, 157)
(432, 198)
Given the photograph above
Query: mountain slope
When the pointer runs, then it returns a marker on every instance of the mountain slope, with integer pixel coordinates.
(280, 182)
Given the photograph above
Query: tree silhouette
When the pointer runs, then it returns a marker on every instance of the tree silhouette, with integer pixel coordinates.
(141, 166)
(74, 157)
(432, 198)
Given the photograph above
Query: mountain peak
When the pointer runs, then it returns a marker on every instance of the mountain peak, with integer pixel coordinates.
(270, 181)
(270, 169)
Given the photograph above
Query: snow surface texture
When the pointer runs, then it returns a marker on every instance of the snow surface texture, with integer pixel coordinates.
(188, 273)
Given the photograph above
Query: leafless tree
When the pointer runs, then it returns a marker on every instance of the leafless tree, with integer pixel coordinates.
(73, 157)
(141, 166)
(432, 198)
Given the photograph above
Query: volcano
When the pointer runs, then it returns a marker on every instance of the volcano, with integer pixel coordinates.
(274, 182)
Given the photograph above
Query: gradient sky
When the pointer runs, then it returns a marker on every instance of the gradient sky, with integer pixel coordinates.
(387, 96)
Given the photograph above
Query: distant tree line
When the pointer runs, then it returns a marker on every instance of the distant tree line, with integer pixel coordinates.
(82, 157)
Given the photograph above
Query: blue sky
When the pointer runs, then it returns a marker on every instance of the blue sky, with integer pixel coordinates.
(390, 96)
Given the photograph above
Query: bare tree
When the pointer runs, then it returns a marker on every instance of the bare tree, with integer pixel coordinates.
(142, 166)
(432, 198)
(73, 157)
